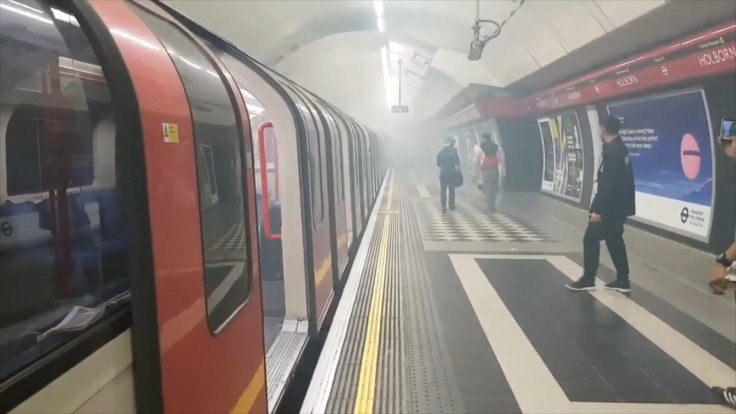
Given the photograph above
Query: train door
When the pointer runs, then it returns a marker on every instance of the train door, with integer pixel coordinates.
(354, 188)
(364, 169)
(318, 195)
(338, 220)
(198, 327)
(345, 159)
(368, 168)
(374, 164)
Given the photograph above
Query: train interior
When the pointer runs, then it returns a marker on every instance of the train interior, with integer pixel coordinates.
(55, 107)
(222, 206)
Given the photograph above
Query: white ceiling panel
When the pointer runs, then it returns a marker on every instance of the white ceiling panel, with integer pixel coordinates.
(334, 47)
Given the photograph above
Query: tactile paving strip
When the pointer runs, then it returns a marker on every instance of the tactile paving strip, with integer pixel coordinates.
(387, 394)
(432, 384)
(347, 376)
(390, 379)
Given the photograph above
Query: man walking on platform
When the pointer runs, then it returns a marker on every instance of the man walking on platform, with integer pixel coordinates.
(448, 161)
(613, 203)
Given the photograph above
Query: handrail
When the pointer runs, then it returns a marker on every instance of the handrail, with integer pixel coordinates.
(265, 198)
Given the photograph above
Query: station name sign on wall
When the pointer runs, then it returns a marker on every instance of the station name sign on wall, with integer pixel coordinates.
(710, 53)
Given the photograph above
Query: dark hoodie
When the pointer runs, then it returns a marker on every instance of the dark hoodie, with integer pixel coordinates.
(615, 199)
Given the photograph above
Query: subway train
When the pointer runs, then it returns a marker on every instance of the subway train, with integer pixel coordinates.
(176, 219)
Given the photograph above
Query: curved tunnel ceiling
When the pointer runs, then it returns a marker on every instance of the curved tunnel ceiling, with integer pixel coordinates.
(335, 48)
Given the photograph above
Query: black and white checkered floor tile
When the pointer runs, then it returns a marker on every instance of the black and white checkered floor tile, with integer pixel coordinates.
(234, 239)
(467, 224)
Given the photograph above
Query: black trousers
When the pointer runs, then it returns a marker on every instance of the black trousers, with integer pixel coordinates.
(445, 187)
(612, 232)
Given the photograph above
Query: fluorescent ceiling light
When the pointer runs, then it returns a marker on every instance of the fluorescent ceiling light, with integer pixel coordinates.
(386, 75)
(378, 6)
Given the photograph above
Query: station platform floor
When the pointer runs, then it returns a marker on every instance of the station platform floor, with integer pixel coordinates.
(467, 313)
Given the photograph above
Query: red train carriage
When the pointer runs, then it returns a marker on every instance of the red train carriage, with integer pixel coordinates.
(129, 206)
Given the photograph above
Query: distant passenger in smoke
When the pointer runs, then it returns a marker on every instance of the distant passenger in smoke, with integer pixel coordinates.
(489, 172)
(448, 161)
(611, 206)
(719, 283)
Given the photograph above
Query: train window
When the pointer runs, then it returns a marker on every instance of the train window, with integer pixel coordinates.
(319, 147)
(315, 150)
(220, 175)
(341, 161)
(63, 244)
(315, 157)
(337, 140)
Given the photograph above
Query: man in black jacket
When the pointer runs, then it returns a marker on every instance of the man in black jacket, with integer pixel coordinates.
(448, 161)
(613, 203)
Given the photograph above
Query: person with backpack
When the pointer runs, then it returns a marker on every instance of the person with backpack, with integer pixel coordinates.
(489, 172)
(448, 162)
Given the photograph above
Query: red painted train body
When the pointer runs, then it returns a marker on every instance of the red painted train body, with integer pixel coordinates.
(136, 272)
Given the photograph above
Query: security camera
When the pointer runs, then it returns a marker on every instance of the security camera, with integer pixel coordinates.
(476, 49)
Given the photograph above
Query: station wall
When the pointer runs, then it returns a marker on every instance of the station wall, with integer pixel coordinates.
(526, 136)
(671, 101)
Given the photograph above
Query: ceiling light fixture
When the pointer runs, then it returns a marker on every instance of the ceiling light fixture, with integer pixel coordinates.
(378, 6)
(386, 75)
(385, 52)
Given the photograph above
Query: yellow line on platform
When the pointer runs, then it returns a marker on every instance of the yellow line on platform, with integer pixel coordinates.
(369, 363)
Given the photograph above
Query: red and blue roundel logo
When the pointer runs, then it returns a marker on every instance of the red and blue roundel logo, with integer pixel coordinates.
(690, 157)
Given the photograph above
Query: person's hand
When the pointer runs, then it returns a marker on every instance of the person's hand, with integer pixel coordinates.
(729, 146)
(717, 282)
(595, 218)
(718, 272)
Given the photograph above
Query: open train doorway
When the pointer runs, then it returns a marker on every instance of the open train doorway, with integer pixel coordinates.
(286, 296)
(269, 201)
(266, 168)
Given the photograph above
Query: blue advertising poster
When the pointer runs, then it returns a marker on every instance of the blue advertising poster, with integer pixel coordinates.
(670, 145)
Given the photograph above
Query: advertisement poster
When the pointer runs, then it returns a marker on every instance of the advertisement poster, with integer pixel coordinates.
(670, 144)
(563, 145)
(595, 130)
(548, 176)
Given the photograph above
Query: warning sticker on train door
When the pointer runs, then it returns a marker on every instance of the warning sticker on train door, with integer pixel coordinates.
(171, 133)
